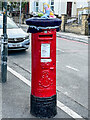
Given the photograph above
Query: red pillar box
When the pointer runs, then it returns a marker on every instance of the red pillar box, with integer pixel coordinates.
(43, 84)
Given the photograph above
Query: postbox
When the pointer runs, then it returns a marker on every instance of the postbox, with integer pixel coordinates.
(43, 70)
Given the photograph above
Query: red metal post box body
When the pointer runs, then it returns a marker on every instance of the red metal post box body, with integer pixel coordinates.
(43, 83)
(44, 63)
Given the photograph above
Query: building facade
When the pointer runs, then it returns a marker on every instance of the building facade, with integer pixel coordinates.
(59, 7)
(83, 7)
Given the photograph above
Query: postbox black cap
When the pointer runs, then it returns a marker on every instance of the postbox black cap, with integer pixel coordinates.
(39, 22)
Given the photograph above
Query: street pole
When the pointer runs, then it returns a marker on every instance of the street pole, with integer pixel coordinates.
(20, 11)
(4, 45)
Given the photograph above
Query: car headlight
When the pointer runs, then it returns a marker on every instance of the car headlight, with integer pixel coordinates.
(27, 37)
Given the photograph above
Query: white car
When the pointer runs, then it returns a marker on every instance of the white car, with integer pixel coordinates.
(17, 38)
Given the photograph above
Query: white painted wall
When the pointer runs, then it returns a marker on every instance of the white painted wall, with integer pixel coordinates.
(74, 8)
(82, 3)
(56, 6)
(63, 6)
(60, 7)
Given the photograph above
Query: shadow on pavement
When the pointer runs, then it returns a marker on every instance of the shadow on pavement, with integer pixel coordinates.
(19, 52)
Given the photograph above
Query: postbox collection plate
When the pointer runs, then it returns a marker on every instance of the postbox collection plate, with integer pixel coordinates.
(45, 50)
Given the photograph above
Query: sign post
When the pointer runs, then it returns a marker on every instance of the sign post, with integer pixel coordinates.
(4, 43)
(20, 12)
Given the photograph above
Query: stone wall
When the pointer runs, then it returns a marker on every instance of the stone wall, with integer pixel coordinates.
(73, 29)
(79, 29)
(84, 29)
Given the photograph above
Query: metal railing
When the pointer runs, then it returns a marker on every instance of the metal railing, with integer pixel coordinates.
(74, 20)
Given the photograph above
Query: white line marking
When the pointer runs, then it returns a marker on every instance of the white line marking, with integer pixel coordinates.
(59, 104)
(72, 68)
(19, 76)
(68, 110)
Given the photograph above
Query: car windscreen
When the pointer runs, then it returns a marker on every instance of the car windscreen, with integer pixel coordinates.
(10, 23)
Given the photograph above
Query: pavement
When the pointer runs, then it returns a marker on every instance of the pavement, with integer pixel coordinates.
(74, 37)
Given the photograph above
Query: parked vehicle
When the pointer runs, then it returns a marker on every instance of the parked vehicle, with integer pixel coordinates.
(17, 38)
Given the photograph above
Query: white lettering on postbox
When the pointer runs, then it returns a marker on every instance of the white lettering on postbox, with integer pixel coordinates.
(46, 60)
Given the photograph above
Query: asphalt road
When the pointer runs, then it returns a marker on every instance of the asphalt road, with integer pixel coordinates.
(72, 73)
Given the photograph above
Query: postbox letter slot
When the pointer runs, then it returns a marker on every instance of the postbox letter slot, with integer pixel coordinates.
(45, 36)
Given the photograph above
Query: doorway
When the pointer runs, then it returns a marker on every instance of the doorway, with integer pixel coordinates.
(69, 8)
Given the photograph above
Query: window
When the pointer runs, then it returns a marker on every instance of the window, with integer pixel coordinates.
(52, 2)
(52, 8)
(36, 6)
(52, 5)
